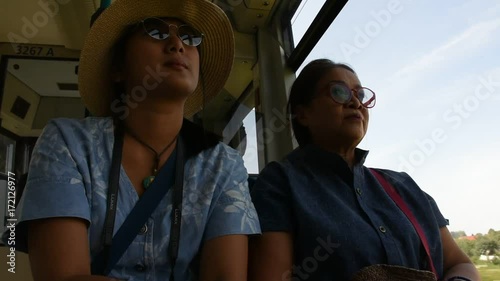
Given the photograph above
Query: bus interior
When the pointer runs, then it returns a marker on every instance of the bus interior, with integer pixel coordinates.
(40, 43)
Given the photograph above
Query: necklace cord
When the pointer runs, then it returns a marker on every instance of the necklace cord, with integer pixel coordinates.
(157, 155)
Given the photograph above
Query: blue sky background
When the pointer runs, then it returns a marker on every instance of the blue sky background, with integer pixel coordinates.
(426, 60)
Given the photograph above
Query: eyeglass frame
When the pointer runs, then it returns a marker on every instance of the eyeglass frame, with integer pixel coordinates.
(353, 92)
(169, 31)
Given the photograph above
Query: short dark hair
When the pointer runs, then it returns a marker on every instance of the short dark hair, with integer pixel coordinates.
(118, 52)
(304, 90)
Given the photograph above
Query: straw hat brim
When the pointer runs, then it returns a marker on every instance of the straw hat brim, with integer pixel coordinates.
(216, 50)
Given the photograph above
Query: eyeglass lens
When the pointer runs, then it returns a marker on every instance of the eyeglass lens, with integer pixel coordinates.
(160, 30)
(342, 94)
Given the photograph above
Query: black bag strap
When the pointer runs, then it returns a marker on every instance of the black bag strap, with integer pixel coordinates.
(176, 217)
(114, 247)
(112, 197)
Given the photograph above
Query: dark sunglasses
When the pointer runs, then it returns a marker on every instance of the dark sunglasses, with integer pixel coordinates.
(160, 30)
(340, 93)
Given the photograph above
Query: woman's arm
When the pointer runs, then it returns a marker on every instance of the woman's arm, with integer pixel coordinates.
(271, 257)
(59, 250)
(224, 258)
(456, 262)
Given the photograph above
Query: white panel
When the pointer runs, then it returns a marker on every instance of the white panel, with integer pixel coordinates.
(43, 75)
(15, 88)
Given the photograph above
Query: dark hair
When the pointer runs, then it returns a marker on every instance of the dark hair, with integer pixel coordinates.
(118, 52)
(304, 90)
(119, 47)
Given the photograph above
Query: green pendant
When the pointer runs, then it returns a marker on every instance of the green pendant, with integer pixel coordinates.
(147, 181)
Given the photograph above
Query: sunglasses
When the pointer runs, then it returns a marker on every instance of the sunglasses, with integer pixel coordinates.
(160, 30)
(340, 93)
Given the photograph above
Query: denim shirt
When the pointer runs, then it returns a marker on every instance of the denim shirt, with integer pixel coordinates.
(343, 220)
(68, 177)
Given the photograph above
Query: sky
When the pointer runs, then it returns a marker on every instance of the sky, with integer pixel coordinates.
(435, 67)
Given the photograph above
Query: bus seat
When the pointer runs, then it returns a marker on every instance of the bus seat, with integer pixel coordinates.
(252, 178)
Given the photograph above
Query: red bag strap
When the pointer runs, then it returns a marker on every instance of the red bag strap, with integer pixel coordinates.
(402, 205)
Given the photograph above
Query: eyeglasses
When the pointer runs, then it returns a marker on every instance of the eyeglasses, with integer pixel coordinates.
(340, 93)
(160, 30)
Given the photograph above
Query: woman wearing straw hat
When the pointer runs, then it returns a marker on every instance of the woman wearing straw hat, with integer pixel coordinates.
(145, 65)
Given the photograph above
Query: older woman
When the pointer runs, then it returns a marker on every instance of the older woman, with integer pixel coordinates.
(324, 215)
(144, 66)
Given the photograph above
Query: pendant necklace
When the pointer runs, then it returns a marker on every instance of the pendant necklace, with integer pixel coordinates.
(146, 182)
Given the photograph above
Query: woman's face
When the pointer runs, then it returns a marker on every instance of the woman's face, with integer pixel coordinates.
(164, 66)
(330, 122)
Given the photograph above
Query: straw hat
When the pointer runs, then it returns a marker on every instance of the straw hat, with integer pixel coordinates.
(216, 50)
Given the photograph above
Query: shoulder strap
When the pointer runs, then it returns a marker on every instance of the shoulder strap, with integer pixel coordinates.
(99, 263)
(175, 221)
(391, 191)
(114, 247)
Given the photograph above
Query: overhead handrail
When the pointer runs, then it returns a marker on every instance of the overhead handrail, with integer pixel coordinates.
(318, 27)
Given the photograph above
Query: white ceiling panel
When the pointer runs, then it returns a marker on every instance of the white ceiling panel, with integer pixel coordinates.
(43, 76)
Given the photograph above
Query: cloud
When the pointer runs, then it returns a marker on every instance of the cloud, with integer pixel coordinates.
(466, 186)
(472, 38)
(458, 88)
(493, 11)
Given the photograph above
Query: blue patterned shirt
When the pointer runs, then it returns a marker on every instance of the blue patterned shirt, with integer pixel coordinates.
(343, 220)
(68, 177)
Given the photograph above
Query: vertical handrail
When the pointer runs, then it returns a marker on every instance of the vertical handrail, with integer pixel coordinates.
(104, 4)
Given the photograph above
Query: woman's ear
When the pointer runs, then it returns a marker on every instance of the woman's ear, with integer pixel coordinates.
(301, 115)
(116, 75)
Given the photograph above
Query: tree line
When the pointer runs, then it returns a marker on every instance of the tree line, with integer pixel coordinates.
(479, 244)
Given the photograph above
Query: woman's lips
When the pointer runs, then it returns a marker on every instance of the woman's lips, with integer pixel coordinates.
(175, 63)
(354, 117)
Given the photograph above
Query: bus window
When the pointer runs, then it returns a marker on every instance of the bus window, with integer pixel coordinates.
(251, 152)
(304, 16)
(7, 150)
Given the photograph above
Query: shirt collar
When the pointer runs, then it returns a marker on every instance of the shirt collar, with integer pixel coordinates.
(315, 155)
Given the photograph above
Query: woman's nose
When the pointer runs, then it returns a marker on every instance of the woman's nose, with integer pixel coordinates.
(173, 42)
(354, 102)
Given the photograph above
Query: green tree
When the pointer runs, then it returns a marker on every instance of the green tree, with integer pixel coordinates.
(486, 246)
(494, 235)
(468, 246)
